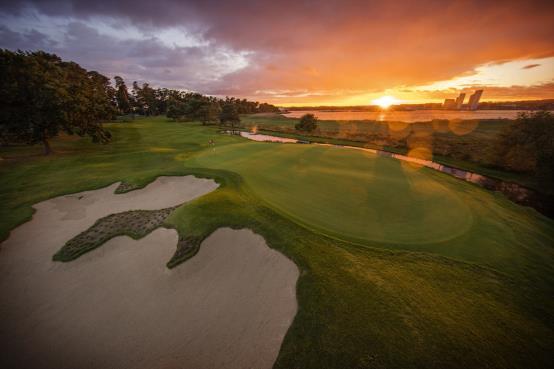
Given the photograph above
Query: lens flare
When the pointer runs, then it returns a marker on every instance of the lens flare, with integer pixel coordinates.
(385, 101)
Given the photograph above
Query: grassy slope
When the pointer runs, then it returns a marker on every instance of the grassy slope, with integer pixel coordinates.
(139, 153)
(361, 306)
(360, 197)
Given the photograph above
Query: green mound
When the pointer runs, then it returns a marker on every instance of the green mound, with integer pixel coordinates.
(348, 194)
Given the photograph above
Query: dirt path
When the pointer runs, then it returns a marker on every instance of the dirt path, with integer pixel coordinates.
(120, 307)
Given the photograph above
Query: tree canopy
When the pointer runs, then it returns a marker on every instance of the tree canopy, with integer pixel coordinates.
(42, 95)
(229, 115)
(208, 109)
(307, 123)
(527, 145)
(122, 96)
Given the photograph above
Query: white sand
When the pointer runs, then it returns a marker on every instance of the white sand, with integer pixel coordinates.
(120, 307)
(266, 138)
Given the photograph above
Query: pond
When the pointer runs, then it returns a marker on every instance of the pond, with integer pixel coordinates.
(407, 116)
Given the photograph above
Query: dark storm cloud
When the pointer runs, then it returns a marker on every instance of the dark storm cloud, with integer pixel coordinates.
(144, 60)
(31, 40)
(297, 45)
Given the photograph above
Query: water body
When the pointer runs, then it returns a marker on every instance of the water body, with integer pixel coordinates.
(407, 116)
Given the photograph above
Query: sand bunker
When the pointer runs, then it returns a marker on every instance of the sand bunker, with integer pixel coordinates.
(266, 138)
(118, 306)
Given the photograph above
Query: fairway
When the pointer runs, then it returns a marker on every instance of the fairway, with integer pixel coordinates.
(398, 265)
(348, 194)
(276, 185)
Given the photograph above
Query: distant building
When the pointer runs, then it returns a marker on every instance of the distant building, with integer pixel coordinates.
(449, 104)
(474, 100)
(460, 100)
(454, 104)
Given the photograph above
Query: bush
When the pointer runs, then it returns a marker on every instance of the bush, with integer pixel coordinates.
(308, 123)
(527, 145)
(176, 110)
(229, 115)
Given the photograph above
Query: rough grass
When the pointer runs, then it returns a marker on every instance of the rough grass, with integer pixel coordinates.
(124, 187)
(362, 307)
(135, 224)
(479, 300)
(27, 177)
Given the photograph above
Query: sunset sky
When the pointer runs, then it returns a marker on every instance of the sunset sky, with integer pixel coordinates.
(296, 52)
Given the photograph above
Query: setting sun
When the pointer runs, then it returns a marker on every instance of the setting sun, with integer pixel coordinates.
(359, 174)
(385, 101)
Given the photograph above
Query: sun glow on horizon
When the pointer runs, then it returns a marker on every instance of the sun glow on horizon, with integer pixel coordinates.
(385, 101)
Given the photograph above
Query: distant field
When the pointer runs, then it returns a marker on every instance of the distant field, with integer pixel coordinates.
(481, 129)
(400, 267)
(410, 116)
(466, 139)
(466, 144)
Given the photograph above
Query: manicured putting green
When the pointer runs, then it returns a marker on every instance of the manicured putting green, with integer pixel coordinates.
(346, 193)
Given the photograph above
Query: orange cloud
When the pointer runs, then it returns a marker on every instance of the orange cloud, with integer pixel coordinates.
(329, 51)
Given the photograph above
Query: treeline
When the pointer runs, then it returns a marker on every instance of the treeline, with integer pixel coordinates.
(41, 96)
(145, 100)
(524, 145)
(208, 109)
(527, 145)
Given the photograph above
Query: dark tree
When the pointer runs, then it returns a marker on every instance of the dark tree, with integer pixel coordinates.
(102, 97)
(42, 96)
(193, 104)
(527, 145)
(229, 115)
(209, 112)
(307, 123)
(122, 96)
(163, 96)
(203, 108)
(267, 108)
(176, 110)
(146, 102)
(138, 105)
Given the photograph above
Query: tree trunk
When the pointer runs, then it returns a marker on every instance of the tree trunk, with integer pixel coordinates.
(47, 148)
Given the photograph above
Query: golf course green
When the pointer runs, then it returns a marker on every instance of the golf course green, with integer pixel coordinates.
(376, 201)
(400, 267)
(348, 194)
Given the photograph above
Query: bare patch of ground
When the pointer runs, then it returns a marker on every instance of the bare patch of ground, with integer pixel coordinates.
(118, 306)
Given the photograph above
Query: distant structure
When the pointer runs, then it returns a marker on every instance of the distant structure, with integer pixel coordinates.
(460, 100)
(458, 103)
(449, 104)
(474, 100)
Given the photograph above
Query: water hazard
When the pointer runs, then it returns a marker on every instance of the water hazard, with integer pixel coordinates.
(407, 116)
